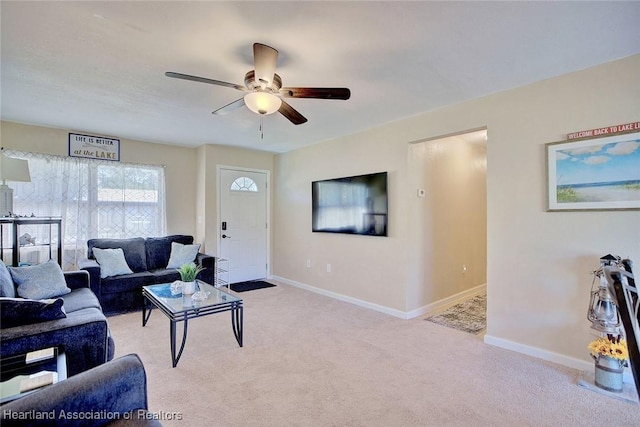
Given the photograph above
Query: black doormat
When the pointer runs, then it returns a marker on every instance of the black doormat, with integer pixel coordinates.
(250, 286)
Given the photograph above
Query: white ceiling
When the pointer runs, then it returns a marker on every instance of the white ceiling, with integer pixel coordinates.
(98, 67)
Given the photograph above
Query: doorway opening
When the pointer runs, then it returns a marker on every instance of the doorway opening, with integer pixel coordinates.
(452, 193)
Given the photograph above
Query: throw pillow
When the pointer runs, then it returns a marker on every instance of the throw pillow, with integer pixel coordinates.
(6, 282)
(40, 281)
(112, 262)
(182, 254)
(20, 311)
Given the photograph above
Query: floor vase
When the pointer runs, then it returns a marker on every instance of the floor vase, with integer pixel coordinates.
(609, 374)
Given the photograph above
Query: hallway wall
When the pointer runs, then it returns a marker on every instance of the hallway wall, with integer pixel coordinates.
(452, 173)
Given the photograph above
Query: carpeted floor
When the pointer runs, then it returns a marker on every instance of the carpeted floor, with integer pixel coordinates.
(468, 316)
(309, 360)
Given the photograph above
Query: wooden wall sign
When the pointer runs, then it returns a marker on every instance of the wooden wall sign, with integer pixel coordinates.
(606, 131)
(94, 147)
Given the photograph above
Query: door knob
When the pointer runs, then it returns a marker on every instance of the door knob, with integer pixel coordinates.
(224, 236)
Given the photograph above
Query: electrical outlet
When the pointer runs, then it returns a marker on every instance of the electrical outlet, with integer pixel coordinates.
(328, 268)
(308, 263)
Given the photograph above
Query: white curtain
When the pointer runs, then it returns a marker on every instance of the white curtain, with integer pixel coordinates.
(95, 198)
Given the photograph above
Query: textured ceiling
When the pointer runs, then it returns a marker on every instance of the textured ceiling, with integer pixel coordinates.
(98, 67)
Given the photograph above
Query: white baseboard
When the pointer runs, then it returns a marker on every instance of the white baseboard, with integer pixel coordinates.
(345, 298)
(549, 356)
(436, 306)
(445, 303)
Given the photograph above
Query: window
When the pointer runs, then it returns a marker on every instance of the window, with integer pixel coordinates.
(95, 198)
(244, 183)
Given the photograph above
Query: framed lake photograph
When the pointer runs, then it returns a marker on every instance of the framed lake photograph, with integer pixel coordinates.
(601, 173)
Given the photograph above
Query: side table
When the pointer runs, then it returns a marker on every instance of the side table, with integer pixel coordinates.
(17, 371)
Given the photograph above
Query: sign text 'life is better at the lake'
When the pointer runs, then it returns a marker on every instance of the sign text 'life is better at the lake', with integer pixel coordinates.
(94, 147)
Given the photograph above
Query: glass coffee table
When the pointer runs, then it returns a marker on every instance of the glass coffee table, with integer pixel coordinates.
(181, 308)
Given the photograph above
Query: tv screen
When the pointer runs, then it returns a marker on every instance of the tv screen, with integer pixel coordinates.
(351, 205)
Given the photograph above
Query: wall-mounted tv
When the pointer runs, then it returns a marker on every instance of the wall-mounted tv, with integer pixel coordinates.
(351, 205)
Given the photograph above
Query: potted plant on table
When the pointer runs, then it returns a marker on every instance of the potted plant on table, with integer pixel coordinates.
(188, 273)
(610, 354)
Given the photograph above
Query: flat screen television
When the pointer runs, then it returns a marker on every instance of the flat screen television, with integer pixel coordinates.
(351, 205)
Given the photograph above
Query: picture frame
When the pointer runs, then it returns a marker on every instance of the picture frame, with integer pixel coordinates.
(597, 173)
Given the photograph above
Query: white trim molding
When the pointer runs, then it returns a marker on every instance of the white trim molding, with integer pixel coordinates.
(550, 356)
(436, 306)
(447, 302)
(340, 297)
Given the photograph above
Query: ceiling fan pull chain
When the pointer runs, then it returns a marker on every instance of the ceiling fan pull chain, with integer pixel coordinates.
(261, 128)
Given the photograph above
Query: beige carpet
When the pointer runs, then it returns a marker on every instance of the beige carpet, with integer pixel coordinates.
(309, 360)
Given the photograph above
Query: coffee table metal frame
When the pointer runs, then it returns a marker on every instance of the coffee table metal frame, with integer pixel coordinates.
(218, 302)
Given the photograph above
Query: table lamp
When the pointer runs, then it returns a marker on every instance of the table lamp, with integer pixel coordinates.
(11, 169)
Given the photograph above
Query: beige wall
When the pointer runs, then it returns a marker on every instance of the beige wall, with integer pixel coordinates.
(452, 219)
(539, 263)
(367, 268)
(218, 155)
(190, 173)
(179, 162)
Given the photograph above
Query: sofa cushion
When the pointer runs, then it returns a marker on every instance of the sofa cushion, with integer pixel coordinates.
(7, 288)
(21, 311)
(112, 262)
(164, 275)
(182, 254)
(126, 283)
(81, 298)
(134, 250)
(40, 281)
(159, 249)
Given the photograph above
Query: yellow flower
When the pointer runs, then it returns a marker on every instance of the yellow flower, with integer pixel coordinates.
(604, 346)
(619, 351)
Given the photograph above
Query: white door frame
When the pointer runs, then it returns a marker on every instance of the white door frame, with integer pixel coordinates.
(219, 208)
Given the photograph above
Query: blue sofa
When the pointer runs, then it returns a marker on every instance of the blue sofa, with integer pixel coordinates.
(113, 394)
(148, 259)
(83, 334)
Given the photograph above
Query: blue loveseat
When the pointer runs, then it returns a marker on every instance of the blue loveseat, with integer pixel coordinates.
(83, 333)
(148, 259)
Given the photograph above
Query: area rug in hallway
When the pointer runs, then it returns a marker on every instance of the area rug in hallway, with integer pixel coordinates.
(468, 316)
(250, 286)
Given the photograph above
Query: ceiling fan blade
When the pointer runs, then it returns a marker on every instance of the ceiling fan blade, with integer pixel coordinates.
(265, 59)
(204, 80)
(229, 107)
(316, 92)
(290, 113)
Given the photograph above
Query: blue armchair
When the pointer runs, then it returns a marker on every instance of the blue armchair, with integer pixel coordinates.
(114, 394)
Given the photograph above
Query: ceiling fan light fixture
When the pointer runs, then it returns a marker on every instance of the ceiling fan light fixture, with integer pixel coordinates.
(262, 102)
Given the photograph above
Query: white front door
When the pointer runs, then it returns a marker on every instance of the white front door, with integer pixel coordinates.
(243, 223)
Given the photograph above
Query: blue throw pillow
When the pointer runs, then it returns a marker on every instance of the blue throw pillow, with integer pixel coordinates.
(182, 254)
(112, 262)
(20, 311)
(40, 281)
(6, 282)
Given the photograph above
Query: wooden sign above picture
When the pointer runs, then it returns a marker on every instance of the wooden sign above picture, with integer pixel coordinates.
(606, 131)
(94, 147)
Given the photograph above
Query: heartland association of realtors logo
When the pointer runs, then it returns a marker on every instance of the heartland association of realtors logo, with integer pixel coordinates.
(94, 147)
